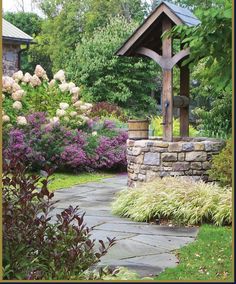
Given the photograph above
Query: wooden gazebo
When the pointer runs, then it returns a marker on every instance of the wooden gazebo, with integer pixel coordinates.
(147, 41)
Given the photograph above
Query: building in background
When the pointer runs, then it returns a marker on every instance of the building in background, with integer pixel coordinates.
(12, 41)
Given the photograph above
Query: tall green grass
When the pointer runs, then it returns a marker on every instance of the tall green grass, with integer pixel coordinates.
(156, 126)
(181, 200)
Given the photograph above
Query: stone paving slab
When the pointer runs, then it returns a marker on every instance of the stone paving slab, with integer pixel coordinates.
(145, 248)
(167, 243)
(146, 266)
(150, 229)
(102, 235)
(126, 249)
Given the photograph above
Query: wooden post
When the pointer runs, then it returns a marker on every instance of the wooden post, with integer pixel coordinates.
(167, 97)
(184, 91)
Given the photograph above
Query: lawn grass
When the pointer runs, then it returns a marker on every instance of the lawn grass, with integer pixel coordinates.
(63, 180)
(208, 258)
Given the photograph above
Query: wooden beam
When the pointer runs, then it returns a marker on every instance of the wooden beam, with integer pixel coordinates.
(165, 63)
(167, 86)
(151, 54)
(162, 9)
(180, 56)
(184, 91)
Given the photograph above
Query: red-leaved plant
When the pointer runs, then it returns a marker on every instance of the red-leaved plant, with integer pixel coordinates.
(34, 247)
(101, 109)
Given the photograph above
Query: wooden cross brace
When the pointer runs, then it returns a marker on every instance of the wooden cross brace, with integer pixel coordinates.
(167, 62)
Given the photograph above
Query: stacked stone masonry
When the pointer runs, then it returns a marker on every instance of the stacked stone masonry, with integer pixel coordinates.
(148, 159)
(10, 58)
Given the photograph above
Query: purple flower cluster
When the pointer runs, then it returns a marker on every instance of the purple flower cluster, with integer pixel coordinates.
(73, 156)
(17, 146)
(109, 124)
(37, 119)
(111, 152)
(43, 144)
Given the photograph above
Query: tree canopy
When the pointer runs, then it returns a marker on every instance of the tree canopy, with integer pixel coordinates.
(29, 23)
(82, 37)
(106, 77)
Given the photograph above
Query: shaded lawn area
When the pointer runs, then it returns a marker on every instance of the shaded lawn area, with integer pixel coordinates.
(208, 258)
(63, 180)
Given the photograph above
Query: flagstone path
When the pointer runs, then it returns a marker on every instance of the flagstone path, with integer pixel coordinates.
(145, 248)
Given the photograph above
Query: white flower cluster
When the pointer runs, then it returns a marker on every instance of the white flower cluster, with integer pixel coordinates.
(12, 86)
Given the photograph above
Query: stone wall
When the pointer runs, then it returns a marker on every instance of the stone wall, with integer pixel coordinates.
(152, 158)
(10, 58)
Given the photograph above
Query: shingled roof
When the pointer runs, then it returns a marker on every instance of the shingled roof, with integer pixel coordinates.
(149, 32)
(187, 17)
(12, 33)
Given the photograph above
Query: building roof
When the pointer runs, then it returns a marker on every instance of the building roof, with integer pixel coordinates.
(12, 33)
(149, 33)
(187, 17)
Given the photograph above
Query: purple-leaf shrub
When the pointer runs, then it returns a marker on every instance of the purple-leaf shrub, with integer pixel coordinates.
(35, 248)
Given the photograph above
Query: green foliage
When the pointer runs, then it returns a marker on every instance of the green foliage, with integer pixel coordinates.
(106, 77)
(40, 95)
(63, 34)
(216, 26)
(45, 99)
(212, 42)
(99, 11)
(118, 273)
(180, 200)
(156, 126)
(38, 54)
(68, 21)
(209, 258)
(221, 169)
(28, 22)
(213, 109)
(91, 145)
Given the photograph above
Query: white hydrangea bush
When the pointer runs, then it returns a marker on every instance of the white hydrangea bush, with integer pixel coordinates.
(23, 94)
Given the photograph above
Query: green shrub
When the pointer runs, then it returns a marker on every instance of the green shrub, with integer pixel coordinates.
(24, 94)
(221, 169)
(156, 125)
(178, 199)
(124, 81)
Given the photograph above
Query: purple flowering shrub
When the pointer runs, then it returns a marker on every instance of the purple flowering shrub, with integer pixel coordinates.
(73, 156)
(44, 144)
(111, 152)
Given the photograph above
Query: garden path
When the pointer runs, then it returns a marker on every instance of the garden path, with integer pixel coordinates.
(144, 248)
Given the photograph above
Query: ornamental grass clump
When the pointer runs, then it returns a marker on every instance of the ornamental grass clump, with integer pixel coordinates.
(180, 200)
(156, 126)
(34, 247)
